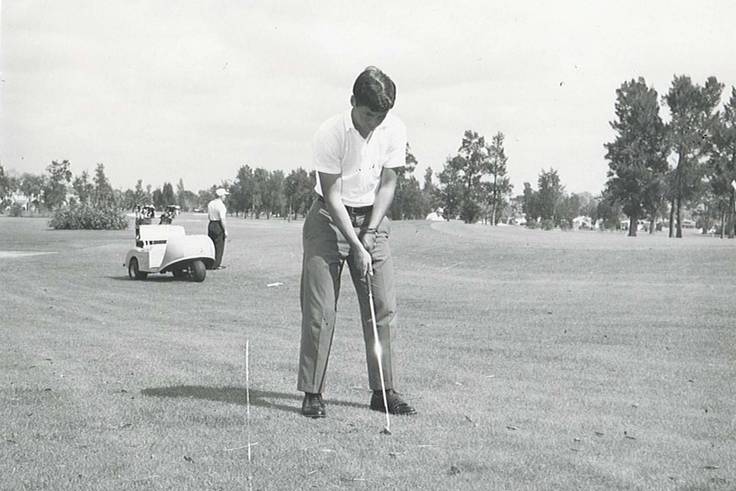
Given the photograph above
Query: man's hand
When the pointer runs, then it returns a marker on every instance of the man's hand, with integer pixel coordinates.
(368, 239)
(364, 260)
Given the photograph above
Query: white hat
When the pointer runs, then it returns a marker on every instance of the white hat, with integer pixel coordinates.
(221, 192)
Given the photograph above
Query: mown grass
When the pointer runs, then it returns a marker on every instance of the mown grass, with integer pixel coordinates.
(536, 360)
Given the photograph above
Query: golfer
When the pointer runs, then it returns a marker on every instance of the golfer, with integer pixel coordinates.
(217, 230)
(355, 154)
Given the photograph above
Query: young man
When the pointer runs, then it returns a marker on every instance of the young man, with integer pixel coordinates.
(216, 212)
(355, 154)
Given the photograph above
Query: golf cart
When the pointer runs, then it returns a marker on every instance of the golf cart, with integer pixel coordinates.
(165, 248)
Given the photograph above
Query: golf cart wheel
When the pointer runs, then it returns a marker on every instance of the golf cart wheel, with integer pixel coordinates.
(133, 272)
(198, 270)
(180, 273)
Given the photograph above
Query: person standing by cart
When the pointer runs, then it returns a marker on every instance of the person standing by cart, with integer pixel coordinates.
(217, 229)
(355, 155)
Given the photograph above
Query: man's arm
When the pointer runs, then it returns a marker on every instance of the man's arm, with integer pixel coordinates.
(330, 184)
(223, 215)
(384, 197)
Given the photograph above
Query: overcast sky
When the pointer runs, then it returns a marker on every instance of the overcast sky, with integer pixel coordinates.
(162, 90)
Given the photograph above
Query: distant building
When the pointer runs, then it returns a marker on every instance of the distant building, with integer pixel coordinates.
(436, 215)
(26, 203)
(582, 222)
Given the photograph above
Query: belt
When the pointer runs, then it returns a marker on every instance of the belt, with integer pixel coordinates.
(352, 210)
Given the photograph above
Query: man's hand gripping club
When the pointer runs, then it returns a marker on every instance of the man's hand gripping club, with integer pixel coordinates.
(330, 184)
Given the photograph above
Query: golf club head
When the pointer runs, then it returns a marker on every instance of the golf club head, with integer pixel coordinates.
(385, 431)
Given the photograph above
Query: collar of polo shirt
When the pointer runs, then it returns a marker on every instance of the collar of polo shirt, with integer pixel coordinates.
(348, 122)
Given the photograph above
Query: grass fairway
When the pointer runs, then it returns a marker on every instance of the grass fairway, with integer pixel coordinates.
(536, 360)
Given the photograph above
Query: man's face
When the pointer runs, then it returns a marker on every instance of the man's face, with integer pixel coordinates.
(366, 120)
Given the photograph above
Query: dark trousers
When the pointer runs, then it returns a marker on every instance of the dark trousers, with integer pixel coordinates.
(217, 233)
(325, 252)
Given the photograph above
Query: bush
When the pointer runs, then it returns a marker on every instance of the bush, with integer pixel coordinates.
(16, 210)
(547, 224)
(470, 211)
(86, 217)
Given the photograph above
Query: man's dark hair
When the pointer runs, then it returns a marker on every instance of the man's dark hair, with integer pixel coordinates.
(374, 89)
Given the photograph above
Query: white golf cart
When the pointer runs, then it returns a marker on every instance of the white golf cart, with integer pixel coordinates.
(165, 248)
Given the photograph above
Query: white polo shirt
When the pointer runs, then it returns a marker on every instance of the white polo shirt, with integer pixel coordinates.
(338, 148)
(216, 210)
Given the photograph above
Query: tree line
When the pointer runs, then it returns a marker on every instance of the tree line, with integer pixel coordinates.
(657, 171)
(658, 168)
(254, 192)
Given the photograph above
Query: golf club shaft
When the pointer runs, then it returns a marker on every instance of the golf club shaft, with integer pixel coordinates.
(377, 348)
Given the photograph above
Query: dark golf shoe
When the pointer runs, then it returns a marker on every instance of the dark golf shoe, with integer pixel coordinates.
(396, 405)
(313, 406)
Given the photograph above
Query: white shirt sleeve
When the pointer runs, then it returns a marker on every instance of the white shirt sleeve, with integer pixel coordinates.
(327, 150)
(396, 149)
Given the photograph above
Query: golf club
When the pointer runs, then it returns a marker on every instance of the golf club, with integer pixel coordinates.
(378, 350)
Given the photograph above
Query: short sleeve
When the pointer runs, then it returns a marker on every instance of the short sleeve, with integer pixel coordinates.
(396, 145)
(327, 149)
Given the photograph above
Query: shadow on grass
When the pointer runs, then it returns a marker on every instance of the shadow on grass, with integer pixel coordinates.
(236, 395)
(154, 278)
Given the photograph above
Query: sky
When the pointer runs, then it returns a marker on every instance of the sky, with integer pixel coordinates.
(167, 90)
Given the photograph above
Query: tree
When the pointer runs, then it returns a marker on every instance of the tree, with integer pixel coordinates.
(126, 200)
(32, 186)
(260, 178)
(167, 195)
(500, 186)
(430, 194)
(83, 187)
(157, 199)
(204, 196)
(461, 178)
(241, 192)
(637, 162)
(6, 188)
(103, 195)
(568, 209)
(54, 192)
(180, 193)
(722, 166)
(299, 191)
(139, 195)
(452, 189)
(414, 205)
(185, 199)
(516, 207)
(708, 209)
(529, 203)
(550, 194)
(164, 196)
(149, 195)
(273, 196)
(474, 157)
(608, 211)
(589, 206)
(408, 202)
(692, 121)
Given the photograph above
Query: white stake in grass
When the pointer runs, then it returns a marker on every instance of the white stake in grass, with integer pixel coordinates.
(247, 412)
(378, 350)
